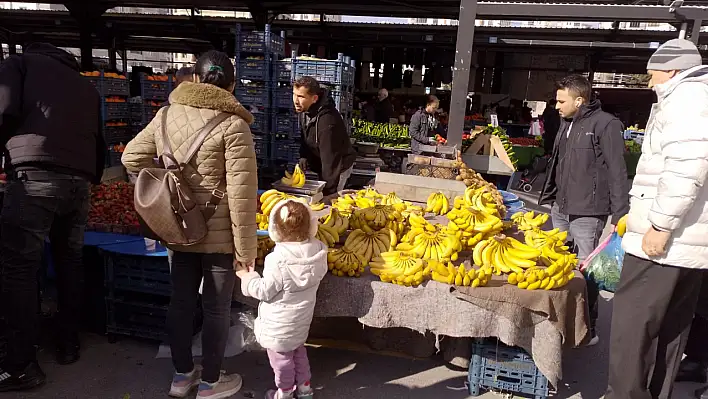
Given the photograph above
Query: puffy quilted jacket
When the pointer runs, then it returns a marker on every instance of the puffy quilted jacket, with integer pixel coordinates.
(227, 154)
(669, 189)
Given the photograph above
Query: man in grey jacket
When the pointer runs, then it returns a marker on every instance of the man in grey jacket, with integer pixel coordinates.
(666, 242)
(423, 124)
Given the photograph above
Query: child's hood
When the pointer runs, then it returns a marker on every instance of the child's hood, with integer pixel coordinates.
(303, 264)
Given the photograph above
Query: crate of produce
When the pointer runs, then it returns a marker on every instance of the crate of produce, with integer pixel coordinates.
(261, 42)
(253, 68)
(114, 158)
(285, 150)
(117, 132)
(261, 145)
(155, 87)
(260, 121)
(115, 109)
(143, 113)
(285, 126)
(136, 318)
(146, 274)
(253, 95)
(109, 83)
(283, 97)
(495, 366)
(282, 71)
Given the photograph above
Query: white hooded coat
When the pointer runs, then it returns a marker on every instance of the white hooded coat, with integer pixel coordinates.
(669, 189)
(288, 289)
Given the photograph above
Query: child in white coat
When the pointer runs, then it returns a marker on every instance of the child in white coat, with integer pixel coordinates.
(287, 292)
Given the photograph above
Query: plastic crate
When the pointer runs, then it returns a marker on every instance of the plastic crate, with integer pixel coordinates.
(155, 89)
(343, 100)
(150, 275)
(260, 145)
(285, 150)
(253, 95)
(114, 111)
(282, 71)
(283, 97)
(330, 71)
(260, 122)
(114, 158)
(285, 126)
(504, 368)
(136, 319)
(253, 69)
(110, 86)
(117, 134)
(143, 113)
(261, 42)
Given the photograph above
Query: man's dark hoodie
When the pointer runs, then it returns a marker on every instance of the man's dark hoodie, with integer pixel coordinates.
(325, 143)
(50, 115)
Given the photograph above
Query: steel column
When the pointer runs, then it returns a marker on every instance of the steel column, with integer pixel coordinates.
(696, 31)
(461, 72)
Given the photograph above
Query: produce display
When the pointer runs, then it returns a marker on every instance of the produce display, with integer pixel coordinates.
(632, 147)
(400, 268)
(96, 74)
(265, 245)
(501, 133)
(295, 179)
(529, 220)
(384, 134)
(635, 128)
(438, 204)
(460, 276)
(527, 141)
(112, 209)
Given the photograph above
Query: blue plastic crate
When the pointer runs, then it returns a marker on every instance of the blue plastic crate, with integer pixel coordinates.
(325, 71)
(261, 42)
(114, 158)
(504, 368)
(261, 145)
(253, 69)
(285, 150)
(155, 89)
(282, 71)
(285, 125)
(116, 111)
(283, 97)
(260, 122)
(149, 275)
(117, 134)
(253, 95)
(110, 86)
(136, 319)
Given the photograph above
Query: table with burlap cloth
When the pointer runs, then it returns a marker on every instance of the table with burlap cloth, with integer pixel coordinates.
(541, 322)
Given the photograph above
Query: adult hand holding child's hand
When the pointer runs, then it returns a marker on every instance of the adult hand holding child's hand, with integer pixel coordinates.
(243, 268)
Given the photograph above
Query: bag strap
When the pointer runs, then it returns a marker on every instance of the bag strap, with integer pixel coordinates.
(167, 157)
(202, 135)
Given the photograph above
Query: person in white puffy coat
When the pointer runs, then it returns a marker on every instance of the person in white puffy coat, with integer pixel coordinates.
(666, 242)
(288, 291)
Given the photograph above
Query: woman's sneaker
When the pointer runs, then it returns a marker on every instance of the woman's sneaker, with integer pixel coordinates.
(227, 386)
(305, 391)
(280, 394)
(183, 383)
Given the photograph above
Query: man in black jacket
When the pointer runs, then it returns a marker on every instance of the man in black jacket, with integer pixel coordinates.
(586, 179)
(50, 126)
(325, 147)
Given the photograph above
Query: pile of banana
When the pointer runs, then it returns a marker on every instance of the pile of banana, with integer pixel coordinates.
(529, 220)
(376, 217)
(345, 262)
(440, 245)
(296, 179)
(559, 255)
(327, 234)
(459, 275)
(391, 199)
(369, 192)
(262, 221)
(344, 204)
(370, 244)
(335, 220)
(437, 203)
(553, 238)
(270, 198)
(535, 278)
(472, 220)
(505, 254)
(265, 245)
(399, 268)
(483, 200)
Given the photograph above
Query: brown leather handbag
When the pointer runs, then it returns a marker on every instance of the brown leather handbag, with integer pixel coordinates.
(163, 200)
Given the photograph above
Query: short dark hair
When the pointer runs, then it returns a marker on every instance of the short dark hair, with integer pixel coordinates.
(310, 83)
(577, 86)
(431, 99)
(215, 68)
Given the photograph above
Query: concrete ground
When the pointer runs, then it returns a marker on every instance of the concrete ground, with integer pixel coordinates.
(128, 370)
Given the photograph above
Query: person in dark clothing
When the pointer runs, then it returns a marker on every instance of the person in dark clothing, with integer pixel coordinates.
(325, 146)
(586, 178)
(383, 109)
(50, 124)
(694, 367)
(551, 122)
(423, 124)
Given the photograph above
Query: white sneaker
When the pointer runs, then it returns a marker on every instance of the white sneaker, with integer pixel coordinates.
(227, 386)
(594, 341)
(183, 383)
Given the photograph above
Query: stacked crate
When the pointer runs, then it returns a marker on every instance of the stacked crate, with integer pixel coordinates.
(115, 116)
(154, 90)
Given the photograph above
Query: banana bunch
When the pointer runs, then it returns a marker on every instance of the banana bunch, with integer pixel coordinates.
(327, 235)
(344, 204)
(529, 220)
(536, 278)
(345, 262)
(296, 179)
(399, 268)
(410, 209)
(335, 220)
(538, 238)
(472, 220)
(262, 221)
(440, 245)
(369, 192)
(483, 200)
(551, 255)
(505, 254)
(265, 245)
(372, 244)
(449, 274)
(317, 207)
(437, 203)
(391, 199)
(458, 202)
(364, 202)
(377, 217)
(269, 199)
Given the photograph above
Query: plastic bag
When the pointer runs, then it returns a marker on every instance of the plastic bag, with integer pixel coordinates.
(604, 265)
(248, 319)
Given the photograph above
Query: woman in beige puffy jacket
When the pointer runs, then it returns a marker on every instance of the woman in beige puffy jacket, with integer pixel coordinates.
(226, 154)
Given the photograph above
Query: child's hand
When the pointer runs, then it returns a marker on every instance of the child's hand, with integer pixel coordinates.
(243, 268)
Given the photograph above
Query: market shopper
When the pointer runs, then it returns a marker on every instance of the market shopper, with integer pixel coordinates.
(50, 127)
(551, 123)
(694, 366)
(227, 155)
(325, 147)
(423, 124)
(288, 292)
(586, 179)
(666, 242)
(383, 109)
(184, 74)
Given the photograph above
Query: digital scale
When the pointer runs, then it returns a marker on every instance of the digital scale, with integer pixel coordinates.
(312, 190)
